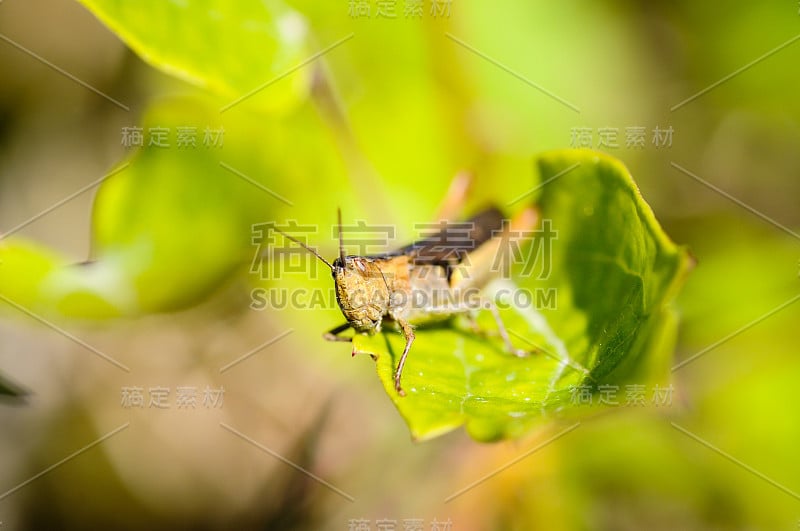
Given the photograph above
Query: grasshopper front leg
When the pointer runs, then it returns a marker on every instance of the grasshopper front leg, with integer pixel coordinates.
(333, 334)
(408, 333)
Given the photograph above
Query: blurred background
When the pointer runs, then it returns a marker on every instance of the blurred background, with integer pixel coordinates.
(699, 101)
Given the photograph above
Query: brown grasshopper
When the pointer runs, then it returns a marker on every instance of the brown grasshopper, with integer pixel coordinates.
(419, 283)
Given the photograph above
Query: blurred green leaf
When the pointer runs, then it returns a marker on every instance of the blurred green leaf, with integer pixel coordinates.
(614, 273)
(168, 226)
(23, 267)
(231, 48)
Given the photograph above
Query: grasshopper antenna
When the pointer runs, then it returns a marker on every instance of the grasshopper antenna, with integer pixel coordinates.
(341, 239)
(304, 246)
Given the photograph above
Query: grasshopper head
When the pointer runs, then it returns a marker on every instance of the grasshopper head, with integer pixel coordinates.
(361, 288)
(361, 291)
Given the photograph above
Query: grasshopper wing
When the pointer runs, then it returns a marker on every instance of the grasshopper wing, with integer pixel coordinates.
(454, 240)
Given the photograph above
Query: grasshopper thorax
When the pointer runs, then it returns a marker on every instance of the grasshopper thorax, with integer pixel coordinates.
(361, 291)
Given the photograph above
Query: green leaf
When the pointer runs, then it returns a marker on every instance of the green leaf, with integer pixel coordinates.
(230, 48)
(614, 274)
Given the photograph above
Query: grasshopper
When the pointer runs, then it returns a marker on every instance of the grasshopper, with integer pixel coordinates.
(419, 283)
